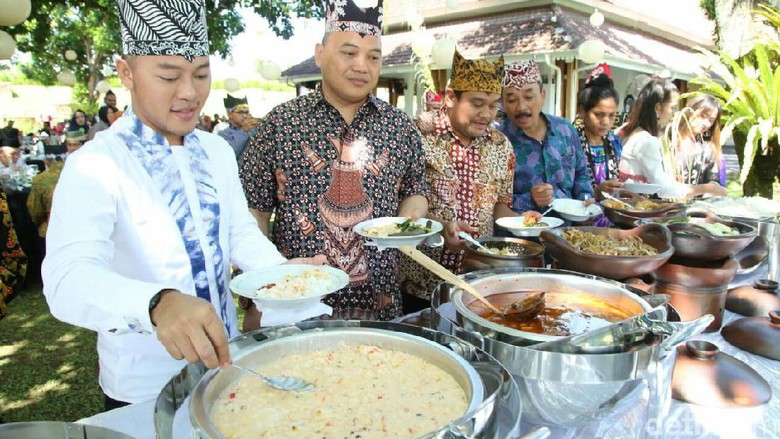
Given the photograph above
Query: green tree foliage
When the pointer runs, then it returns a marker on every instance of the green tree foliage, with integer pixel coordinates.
(91, 29)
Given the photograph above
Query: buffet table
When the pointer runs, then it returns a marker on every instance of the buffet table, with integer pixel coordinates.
(683, 421)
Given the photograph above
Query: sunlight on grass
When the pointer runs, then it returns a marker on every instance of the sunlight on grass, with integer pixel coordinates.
(68, 336)
(36, 321)
(39, 392)
(8, 350)
(65, 368)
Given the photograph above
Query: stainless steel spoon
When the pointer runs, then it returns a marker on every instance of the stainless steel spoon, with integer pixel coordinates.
(280, 382)
(609, 196)
(467, 237)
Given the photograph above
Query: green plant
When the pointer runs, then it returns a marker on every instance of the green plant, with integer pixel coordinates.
(749, 93)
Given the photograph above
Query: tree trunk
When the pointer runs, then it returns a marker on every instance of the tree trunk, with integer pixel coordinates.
(763, 180)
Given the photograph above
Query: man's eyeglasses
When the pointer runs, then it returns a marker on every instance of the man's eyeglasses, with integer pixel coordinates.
(244, 112)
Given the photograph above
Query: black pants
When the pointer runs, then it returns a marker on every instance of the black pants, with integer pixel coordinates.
(111, 404)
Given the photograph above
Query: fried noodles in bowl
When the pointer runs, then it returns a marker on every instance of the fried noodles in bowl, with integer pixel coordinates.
(587, 242)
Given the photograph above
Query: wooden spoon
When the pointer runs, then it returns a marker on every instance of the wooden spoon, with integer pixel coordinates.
(436, 268)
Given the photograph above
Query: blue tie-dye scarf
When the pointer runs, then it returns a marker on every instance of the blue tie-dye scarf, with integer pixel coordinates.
(154, 153)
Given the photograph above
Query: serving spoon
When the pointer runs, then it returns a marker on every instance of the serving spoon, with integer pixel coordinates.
(521, 309)
(609, 196)
(285, 383)
(467, 237)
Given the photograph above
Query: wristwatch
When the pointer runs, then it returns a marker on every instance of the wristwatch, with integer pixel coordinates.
(153, 302)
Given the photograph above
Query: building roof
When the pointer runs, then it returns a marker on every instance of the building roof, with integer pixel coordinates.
(550, 29)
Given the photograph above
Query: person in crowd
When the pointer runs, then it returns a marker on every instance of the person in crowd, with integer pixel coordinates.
(78, 122)
(11, 136)
(645, 159)
(13, 261)
(43, 184)
(46, 128)
(469, 170)
(11, 161)
(148, 216)
(597, 106)
(105, 119)
(433, 100)
(109, 100)
(695, 142)
(550, 160)
(241, 122)
(330, 159)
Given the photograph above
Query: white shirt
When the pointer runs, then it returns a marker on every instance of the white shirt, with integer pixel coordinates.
(641, 160)
(112, 244)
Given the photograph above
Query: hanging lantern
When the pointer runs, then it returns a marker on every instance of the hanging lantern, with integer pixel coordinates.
(7, 45)
(102, 86)
(13, 12)
(66, 77)
(270, 71)
(422, 44)
(591, 51)
(596, 18)
(70, 55)
(365, 4)
(231, 85)
(453, 4)
(442, 52)
(414, 19)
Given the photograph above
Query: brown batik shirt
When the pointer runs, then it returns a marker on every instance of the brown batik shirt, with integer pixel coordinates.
(322, 176)
(464, 184)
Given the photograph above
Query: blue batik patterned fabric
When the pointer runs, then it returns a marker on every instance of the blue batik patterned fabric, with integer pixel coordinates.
(154, 153)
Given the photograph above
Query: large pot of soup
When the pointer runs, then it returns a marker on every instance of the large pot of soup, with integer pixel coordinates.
(575, 394)
(371, 379)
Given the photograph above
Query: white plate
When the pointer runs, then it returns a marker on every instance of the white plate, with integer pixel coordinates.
(515, 225)
(575, 210)
(396, 241)
(246, 284)
(643, 188)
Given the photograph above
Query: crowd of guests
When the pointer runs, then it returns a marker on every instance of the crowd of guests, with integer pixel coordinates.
(147, 219)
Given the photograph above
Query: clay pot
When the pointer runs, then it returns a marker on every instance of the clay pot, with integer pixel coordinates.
(697, 274)
(753, 301)
(757, 335)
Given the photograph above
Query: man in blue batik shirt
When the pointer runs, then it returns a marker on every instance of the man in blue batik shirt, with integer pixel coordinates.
(237, 134)
(550, 162)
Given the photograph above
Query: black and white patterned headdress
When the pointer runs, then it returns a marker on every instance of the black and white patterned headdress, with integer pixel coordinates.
(164, 27)
(346, 16)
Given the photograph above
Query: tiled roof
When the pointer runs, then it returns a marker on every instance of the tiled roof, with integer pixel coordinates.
(535, 30)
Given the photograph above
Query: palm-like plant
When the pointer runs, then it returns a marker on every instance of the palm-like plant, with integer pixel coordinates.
(749, 93)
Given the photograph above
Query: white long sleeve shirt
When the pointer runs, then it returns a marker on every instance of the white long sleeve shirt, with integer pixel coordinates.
(641, 160)
(112, 244)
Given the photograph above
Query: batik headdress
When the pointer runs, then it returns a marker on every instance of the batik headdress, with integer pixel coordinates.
(521, 73)
(233, 103)
(601, 69)
(346, 16)
(164, 27)
(476, 75)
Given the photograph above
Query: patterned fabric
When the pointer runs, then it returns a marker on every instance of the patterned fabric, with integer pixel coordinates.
(600, 69)
(696, 163)
(346, 16)
(431, 97)
(41, 193)
(13, 261)
(520, 73)
(602, 159)
(323, 176)
(164, 27)
(154, 153)
(558, 161)
(464, 184)
(476, 75)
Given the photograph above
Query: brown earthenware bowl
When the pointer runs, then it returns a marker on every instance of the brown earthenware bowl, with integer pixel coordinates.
(625, 217)
(526, 254)
(697, 274)
(756, 300)
(757, 335)
(613, 267)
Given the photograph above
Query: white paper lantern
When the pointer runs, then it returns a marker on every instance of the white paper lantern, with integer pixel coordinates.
(414, 19)
(7, 45)
(591, 51)
(442, 52)
(231, 84)
(70, 55)
(364, 4)
(422, 44)
(66, 77)
(13, 12)
(453, 4)
(107, 71)
(270, 71)
(102, 86)
(596, 18)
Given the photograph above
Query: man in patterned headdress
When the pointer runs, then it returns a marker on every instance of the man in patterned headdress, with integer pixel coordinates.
(237, 134)
(550, 161)
(148, 216)
(333, 158)
(469, 167)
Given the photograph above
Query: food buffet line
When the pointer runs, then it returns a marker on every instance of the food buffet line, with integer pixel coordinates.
(664, 325)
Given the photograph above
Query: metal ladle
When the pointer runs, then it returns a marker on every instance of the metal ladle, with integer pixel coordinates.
(467, 237)
(285, 383)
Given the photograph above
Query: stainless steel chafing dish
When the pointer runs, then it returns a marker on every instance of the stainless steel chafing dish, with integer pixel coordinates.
(494, 400)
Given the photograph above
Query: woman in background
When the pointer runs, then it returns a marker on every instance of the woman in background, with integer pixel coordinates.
(78, 121)
(695, 138)
(105, 119)
(596, 110)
